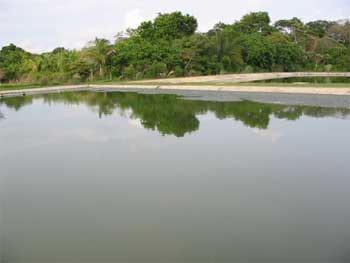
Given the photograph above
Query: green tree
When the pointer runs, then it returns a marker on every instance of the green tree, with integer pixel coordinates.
(319, 28)
(168, 26)
(100, 52)
(256, 22)
(11, 60)
(80, 69)
(175, 25)
(258, 52)
(2, 74)
(288, 56)
(292, 27)
(341, 33)
(169, 46)
(196, 55)
(339, 58)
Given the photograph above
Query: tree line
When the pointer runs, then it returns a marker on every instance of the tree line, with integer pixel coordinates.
(170, 46)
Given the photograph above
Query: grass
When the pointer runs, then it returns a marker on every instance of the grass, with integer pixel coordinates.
(108, 82)
(29, 86)
(6, 87)
(18, 86)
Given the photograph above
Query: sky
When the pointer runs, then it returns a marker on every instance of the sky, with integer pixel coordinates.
(42, 25)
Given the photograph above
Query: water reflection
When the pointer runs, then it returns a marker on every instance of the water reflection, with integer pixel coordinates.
(76, 188)
(17, 103)
(170, 115)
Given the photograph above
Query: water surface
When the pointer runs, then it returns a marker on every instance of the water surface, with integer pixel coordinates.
(120, 177)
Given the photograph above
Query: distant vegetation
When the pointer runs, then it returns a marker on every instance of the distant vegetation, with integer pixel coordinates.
(170, 46)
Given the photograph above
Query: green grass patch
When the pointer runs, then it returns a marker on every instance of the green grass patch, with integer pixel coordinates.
(18, 86)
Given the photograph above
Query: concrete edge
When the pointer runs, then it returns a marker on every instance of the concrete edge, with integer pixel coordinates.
(253, 89)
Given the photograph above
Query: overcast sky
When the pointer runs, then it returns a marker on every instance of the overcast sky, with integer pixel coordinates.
(41, 25)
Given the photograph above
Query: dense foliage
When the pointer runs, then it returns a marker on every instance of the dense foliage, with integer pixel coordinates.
(169, 46)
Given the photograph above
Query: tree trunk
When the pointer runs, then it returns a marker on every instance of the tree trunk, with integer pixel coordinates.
(101, 71)
(91, 75)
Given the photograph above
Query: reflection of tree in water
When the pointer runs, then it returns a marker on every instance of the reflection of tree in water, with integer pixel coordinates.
(170, 115)
(17, 102)
(1, 115)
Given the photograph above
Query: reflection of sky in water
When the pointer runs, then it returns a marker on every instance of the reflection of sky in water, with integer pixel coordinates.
(113, 127)
(76, 187)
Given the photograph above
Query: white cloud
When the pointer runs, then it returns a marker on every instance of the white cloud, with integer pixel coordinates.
(270, 134)
(41, 25)
(133, 18)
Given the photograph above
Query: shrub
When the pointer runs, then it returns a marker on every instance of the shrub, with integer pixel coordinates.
(129, 72)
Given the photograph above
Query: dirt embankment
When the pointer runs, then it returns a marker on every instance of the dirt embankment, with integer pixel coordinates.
(208, 83)
(241, 78)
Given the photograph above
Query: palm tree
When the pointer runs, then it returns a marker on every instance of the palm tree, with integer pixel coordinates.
(99, 51)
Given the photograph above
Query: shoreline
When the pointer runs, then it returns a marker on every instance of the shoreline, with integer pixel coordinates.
(249, 89)
(240, 78)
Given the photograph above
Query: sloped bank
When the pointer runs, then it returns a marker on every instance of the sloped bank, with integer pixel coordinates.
(254, 89)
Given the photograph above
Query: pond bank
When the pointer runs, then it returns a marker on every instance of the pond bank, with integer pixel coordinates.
(243, 77)
(218, 88)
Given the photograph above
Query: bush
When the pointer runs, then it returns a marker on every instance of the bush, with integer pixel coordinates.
(179, 71)
(226, 61)
(248, 69)
(158, 69)
(76, 78)
(44, 80)
(139, 75)
(129, 72)
(328, 67)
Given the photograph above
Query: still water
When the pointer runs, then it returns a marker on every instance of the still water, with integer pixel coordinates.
(124, 177)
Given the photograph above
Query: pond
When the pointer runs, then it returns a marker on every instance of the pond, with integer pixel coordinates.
(119, 177)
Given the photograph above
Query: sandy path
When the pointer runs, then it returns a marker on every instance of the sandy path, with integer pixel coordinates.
(264, 89)
(240, 78)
